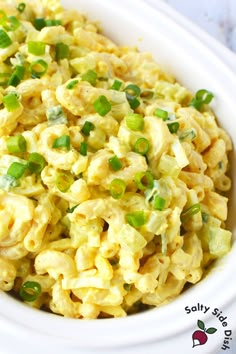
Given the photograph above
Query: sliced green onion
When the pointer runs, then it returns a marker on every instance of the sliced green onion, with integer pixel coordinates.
(204, 95)
(115, 163)
(102, 106)
(62, 51)
(39, 23)
(38, 68)
(188, 213)
(127, 286)
(53, 22)
(205, 217)
(11, 102)
(17, 76)
(62, 142)
(16, 170)
(90, 76)
(201, 97)
(21, 7)
(116, 85)
(136, 219)
(14, 80)
(141, 146)
(16, 143)
(117, 188)
(160, 113)
(147, 94)
(72, 84)
(3, 17)
(56, 115)
(63, 181)
(87, 127)
(134, 121)
(36, 48)
(158, 203)
(132, 90)
(5, 76)
(36, 162)
(133, 101)
(173, 127)
(196, 104)
(71, 210)
(7, 182)
(83, 148)
(102, 78)
(113, 261)
(144, 180)
(20, 71)
(11, 23)
(188, 135)
(5, 40)
(30, 291)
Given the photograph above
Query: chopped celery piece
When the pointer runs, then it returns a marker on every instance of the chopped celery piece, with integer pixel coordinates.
(169, 166)
(55, 115)
(219, 241)
(130, 238)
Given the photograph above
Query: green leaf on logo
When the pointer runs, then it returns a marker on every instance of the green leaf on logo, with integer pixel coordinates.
(201, 325)
(211, 330)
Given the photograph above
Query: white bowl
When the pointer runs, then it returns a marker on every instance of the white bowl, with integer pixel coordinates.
(196, 64)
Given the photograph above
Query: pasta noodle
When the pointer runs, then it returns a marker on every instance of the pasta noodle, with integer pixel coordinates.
(112, 174)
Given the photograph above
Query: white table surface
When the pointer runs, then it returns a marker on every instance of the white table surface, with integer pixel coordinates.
(218, 18)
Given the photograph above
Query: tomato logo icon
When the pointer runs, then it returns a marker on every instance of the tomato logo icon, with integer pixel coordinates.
(200, 336)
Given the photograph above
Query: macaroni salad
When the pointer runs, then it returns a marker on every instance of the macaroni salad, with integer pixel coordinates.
(112, 175)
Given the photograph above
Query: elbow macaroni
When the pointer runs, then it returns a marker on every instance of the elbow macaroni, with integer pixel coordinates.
(91, 254)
